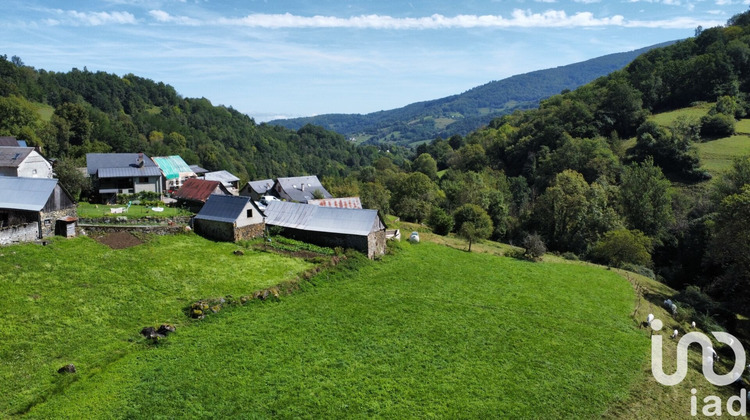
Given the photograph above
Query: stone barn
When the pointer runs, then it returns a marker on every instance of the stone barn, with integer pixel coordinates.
(31, 207)
(360, 229)
(229, 218)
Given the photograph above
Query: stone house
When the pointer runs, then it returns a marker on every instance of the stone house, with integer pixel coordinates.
(123, 173)
(23, 162)
(229, 218)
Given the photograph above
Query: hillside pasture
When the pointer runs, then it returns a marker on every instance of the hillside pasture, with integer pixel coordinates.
(78, 301)
(429, 332)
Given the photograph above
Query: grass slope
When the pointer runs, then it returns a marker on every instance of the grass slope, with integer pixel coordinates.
(432, 331)
(77, 301)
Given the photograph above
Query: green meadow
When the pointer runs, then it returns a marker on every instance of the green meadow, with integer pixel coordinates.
(77, 301)
(431, 331)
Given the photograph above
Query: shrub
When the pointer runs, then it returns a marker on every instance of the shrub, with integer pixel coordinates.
(639, 269)
(570, 256)
(623, 246)
(440, 221)
(717, 125)
(533, 246)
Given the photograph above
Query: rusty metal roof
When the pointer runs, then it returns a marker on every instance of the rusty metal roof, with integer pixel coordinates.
(198, 190)
(342, 202)
(323, 219)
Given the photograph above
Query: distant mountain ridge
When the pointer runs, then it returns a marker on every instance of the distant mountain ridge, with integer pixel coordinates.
(465, 112)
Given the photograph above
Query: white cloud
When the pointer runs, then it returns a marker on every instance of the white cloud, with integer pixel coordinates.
(587, 1)
(517, 19)
(76, 18)
(164, 17)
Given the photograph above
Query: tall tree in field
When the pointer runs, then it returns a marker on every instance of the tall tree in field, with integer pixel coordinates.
(472, 223)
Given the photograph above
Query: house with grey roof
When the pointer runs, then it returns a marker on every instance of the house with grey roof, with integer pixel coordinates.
(359, 229)
(33, 208)
(231, 182)
(300, 189)
(229, 218)
(23, 162)
(123, 173)
(257, 189)
(10, 141)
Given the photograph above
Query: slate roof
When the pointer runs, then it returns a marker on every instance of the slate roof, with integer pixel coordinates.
(261, 186)
(198, 190)
(11, 157)
(9, 141)
(323, 219)
(97, 161)
(224, 208)
(197, 169)
(223, 176)
(25, 193)
(172, 166)
(301, 188)
(342, 202)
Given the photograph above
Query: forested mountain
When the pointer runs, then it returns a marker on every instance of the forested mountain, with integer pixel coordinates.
(460, 114)
(74, 113)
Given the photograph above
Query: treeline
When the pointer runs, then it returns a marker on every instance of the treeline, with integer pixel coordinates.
(101, 112)
(561, 175)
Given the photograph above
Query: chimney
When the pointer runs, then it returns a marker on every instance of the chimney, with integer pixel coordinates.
(139, 160)
(302, 187)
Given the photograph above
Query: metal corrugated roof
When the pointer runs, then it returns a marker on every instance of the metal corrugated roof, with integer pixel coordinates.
(172, 166)
(25, 193)
(261, 186)
(97, 161)
(223, 208)
(223, 176)
(341, 202)
(301, 188)
(323, 219)
(197, 189)
(128, 172)
(197, 169)
(11, 157)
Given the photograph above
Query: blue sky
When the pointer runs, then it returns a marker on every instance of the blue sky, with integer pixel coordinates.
(291, 58)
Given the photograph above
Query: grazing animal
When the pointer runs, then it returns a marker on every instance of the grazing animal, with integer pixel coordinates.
(675, 334)
(693, 324)
(649, 318)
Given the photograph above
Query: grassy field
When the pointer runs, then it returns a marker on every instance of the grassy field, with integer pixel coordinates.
(95, 211)
(716, 155)
(429, 332)
(77, 301)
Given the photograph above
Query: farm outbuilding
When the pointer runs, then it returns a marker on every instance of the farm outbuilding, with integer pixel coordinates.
(359, 229)
(31, 207)
(175, 171)
(257, 189)
(229, 218)
(300, 189)
(231, 182)
(195, 192)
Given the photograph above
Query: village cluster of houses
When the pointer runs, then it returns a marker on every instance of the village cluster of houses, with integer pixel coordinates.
(33, 205)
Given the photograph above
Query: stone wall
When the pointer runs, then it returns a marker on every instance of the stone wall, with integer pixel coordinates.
(249, 231)
(372, 245)
(49, 219)
(27, 232)
(155, 229)
(222, 231)
(211, 229)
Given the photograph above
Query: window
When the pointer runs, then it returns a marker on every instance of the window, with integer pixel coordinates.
(249, 213)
